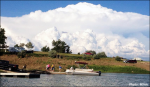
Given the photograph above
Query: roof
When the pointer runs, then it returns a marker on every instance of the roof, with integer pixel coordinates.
(80, 62)
(88, 53)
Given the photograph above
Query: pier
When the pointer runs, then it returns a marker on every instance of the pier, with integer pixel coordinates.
(63, 73)
(23, 75)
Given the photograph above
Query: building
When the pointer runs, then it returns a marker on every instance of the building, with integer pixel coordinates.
(16, 49)
(88, 53)
(137, 59)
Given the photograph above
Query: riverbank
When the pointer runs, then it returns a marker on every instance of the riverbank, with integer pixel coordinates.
(106, 65)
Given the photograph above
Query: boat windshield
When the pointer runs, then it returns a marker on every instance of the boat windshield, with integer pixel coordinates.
(83, 66)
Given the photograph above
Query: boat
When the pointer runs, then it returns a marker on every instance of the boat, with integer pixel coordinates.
(82, 70)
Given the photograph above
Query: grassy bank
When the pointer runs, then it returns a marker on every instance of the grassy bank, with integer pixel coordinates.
(39, 60)
(119, 69)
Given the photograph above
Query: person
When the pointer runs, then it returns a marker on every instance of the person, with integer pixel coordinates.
(52, 67)
(47, 67)
(60, 68)
(24, 68)
(71, 68)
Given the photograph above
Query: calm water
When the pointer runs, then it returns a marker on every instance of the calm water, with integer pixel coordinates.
(106, 79)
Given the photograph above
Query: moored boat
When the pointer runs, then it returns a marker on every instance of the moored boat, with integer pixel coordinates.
(82, 70)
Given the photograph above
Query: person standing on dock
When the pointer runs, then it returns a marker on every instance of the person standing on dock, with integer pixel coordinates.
(60, 68)
(52, 67)
(47, 67)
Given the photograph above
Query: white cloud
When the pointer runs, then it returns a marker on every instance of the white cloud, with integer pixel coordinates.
(88, 27)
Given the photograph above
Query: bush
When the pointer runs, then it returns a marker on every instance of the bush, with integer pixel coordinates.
(99, 55)
(96, 56)
(84, 56)
(79, 53)
(91, 51)
(21, 54)
(118, 58)
(52, 54)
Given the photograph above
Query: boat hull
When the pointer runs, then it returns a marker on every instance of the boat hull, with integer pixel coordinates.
(73, 72)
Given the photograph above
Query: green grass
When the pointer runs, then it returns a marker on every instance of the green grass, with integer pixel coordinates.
(66, 55)
(119, 69)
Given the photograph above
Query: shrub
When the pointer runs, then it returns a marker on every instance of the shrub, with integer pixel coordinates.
(91, 51)
(79, 53)
(99, 55)
(52, 53)
(96, 56)
(21, 54)
(83, 56)
(118, 58)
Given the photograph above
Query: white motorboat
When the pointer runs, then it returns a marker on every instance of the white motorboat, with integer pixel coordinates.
(82, 70)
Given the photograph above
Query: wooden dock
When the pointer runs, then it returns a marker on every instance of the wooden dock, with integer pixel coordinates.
(51, 72)
(24, 75)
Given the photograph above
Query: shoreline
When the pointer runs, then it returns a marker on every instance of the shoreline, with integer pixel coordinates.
(48, 72)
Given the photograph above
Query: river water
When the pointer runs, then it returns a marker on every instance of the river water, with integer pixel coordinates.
(106, 79)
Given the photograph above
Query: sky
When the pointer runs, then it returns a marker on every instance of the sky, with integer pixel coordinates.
(119, 28)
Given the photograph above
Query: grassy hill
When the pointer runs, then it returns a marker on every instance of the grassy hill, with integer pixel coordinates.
(39, 60)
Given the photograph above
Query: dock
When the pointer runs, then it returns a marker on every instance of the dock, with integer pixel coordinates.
(63, 73)
(23, 75)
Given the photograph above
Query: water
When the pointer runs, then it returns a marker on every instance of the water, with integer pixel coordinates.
(106, 79)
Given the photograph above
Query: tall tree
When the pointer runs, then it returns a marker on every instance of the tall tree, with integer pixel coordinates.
(59, 46)
(21, 45)
(45, 49)
(2, 36)
(29, 45)
(16, 45)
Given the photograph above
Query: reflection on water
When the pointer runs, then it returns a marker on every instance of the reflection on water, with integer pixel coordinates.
(106, 79)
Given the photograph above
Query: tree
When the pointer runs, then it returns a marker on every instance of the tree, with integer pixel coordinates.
(67, 49)
(16, 45)
(29, 45)
(91, 51)
(118, 58)
(60, 46)
(2, 36)
(52, 54)
(45, 49)
(21, 45)
(99, 55)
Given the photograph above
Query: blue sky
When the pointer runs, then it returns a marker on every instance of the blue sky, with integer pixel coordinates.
(19, 8)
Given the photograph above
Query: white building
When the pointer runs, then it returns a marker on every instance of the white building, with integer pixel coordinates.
(137, 59)
(16, 49)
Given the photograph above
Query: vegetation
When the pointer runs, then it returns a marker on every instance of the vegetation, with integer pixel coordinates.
(45, 49)
(21, 45)
(2, 36)
(52, 53)
(60, 46)
(119, 69)
(100, 55)
(118, 58)
(29, 45)
(2, 39)
(91, 51)
(78, 53)
(38, 61)
(16, 45)
(21, 54)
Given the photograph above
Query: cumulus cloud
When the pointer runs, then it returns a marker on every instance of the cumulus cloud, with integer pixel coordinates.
(83, 26)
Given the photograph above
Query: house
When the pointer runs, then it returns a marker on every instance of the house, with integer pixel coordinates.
(137, 59)
(88, 53)
(16, 49)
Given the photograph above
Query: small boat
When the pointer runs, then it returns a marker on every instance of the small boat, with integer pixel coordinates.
(82, 70)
